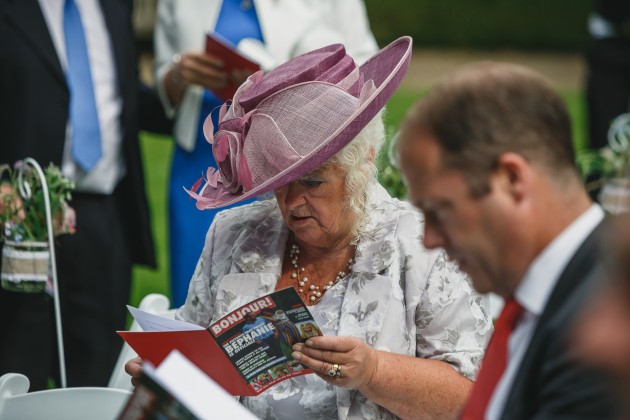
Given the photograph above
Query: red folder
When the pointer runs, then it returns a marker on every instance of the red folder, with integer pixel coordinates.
(198, 346)
(232, 60)
(229, 352)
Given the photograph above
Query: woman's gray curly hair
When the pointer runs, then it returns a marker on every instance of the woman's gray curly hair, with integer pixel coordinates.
(358, 160)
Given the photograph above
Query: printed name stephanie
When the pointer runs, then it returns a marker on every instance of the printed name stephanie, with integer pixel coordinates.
(258, 337)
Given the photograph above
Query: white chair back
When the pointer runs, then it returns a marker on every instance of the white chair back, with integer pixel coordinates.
(154, 303)
(57, 404)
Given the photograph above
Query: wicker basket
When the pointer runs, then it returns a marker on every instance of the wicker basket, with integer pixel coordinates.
(25, 266)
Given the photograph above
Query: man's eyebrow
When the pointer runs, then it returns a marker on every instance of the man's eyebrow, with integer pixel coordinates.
(432, 205)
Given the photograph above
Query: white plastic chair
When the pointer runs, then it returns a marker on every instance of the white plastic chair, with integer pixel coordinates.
(57, 404)
(154, 303)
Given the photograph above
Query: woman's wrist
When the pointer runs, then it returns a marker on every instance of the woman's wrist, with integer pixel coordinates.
(368, 384)
(176, 73)
(174, 82)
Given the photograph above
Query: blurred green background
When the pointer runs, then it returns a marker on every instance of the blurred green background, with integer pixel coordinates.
(549, 25)
(540, 25)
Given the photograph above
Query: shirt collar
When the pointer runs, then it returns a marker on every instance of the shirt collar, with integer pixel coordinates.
(544, 272)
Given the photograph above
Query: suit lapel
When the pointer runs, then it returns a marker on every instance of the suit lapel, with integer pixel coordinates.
(114, 21)
(28, 20)
(572, 282)
(576, 272)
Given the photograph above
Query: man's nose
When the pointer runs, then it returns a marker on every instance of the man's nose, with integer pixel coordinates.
(432, 237)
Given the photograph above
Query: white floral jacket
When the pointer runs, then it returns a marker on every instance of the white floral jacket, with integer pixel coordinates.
(400, 296)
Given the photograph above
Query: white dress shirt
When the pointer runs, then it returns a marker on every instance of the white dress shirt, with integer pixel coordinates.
(105, 175)
(533, 293)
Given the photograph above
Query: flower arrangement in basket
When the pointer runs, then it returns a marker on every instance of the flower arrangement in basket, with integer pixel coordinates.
(24, 227)
(612, 164)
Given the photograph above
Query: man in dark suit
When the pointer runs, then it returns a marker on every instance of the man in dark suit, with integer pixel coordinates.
(488, 158)
(602, 333)
(37, 119)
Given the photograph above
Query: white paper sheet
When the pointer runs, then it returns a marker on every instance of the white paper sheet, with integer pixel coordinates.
(195, 390)
(150, 322)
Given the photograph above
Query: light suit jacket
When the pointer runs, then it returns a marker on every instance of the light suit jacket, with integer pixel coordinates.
(400, 297)
(289, 28)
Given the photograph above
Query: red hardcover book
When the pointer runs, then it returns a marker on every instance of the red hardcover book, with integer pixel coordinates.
(245, 352)
(232, 61)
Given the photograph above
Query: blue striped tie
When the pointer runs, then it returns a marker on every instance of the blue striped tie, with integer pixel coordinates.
(86, 134)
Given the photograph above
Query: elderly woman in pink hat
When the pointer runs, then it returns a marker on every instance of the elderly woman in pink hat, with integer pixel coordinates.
(403, 330)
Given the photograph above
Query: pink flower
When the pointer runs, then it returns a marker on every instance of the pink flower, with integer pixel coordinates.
(228, 153)
(65, 220)
(211, 191)
(233, 175)
(11, 201)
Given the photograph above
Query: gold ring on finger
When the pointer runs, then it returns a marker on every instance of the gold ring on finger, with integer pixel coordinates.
(334, 371)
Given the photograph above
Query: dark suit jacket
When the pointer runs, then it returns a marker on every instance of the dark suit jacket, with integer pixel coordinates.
(549, 383)
(34, 101)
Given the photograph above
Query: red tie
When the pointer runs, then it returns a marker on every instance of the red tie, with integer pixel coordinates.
(493, 363)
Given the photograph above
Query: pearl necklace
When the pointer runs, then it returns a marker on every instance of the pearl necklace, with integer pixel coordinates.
(312, 292)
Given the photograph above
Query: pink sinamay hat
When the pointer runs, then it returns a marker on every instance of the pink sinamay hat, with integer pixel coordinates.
(290, 121)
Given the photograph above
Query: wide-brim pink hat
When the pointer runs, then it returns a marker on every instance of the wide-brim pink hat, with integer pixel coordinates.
(290, 121)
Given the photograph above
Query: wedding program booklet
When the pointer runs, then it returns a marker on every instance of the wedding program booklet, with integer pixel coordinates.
(245, 352)
(232, 60)
(178, 390)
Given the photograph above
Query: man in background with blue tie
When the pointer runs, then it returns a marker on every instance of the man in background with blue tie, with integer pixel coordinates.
(68, 95)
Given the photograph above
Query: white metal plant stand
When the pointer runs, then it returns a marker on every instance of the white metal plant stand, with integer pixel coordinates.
(25, 192)
(615, 194)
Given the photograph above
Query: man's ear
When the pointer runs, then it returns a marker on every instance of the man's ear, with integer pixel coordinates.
(514, 175)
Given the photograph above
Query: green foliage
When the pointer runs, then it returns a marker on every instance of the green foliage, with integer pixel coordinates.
(612, 161)
(24, 218)
(156, 156)
(388, 173)
(533, 24)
